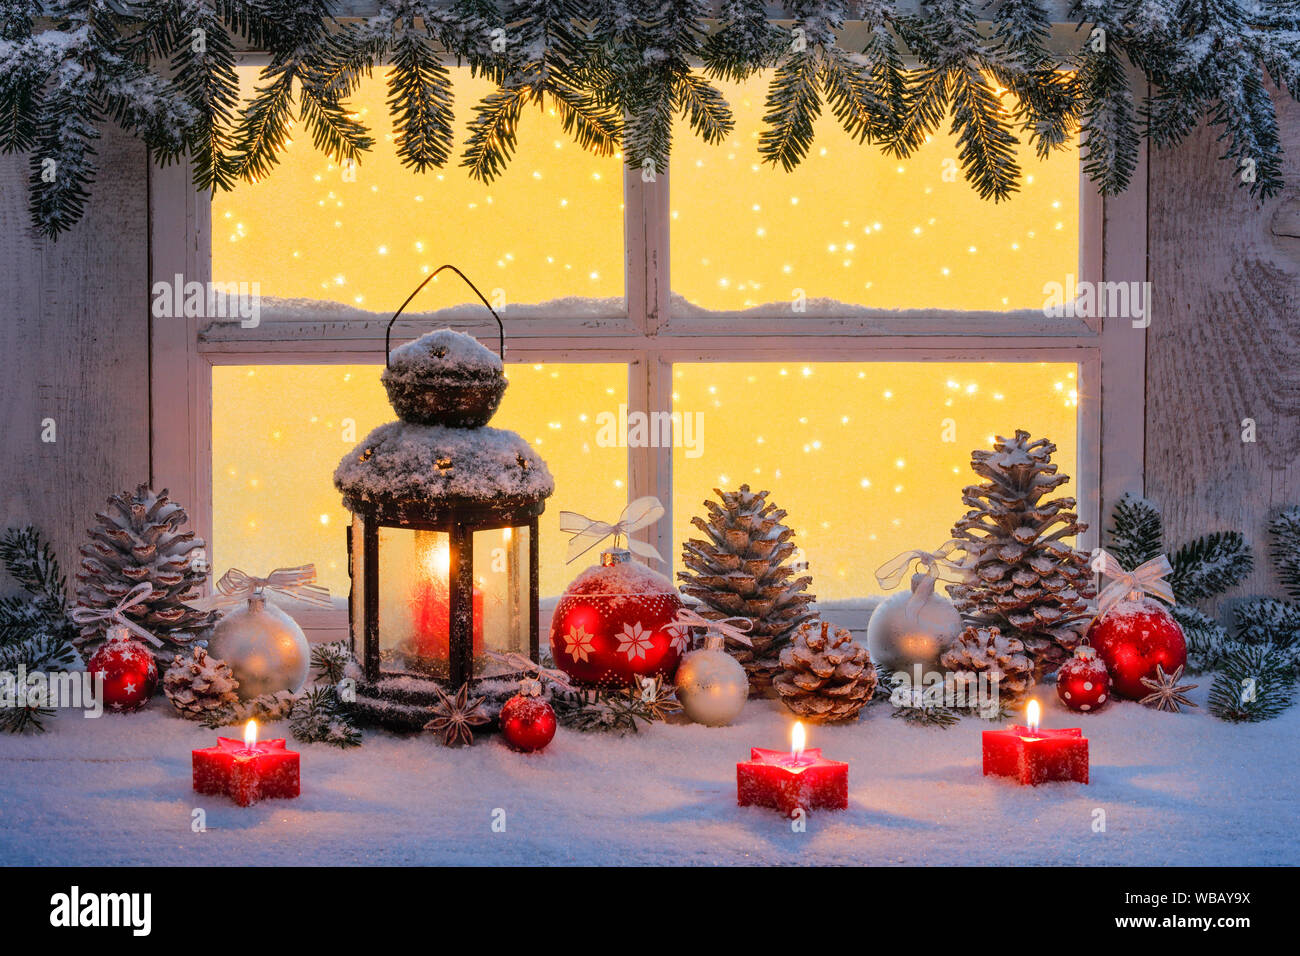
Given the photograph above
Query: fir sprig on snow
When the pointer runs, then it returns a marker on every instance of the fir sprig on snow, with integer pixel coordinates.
(36, 630)
(1253, 684)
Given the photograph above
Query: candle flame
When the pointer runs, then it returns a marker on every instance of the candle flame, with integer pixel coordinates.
(250, 734)
(797, 739)
(1031, 715)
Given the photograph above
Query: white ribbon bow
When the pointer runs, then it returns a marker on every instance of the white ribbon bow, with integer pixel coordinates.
(1146, 578)
(235, 585)
(934, 566)
(532, 685)
(716, 630)
(139, 593)
(588, 533)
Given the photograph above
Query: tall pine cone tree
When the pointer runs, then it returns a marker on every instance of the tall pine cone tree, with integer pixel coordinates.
(1026, 580)
(139, 538)
(740, 570)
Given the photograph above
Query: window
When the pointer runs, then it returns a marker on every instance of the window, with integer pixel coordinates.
(837, 386)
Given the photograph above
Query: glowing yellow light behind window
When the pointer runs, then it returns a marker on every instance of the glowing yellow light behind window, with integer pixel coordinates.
(278, 432)
(857, 226)
(550, 227)
(869, 459)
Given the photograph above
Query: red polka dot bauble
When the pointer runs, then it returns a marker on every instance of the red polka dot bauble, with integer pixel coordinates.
(1082, 682)
(129, 671)
(527, 723)
(615, 624)
(1132, 639)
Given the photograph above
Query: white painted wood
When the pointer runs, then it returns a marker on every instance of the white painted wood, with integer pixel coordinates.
(74, 349)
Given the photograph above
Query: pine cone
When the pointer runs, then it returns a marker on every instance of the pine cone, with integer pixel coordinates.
(1026, 580)
(198, 684)
(987, 650)
(740, 570)
(138, 538)
(826, 675)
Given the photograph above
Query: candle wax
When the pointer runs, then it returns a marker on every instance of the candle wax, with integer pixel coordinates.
(784, 781)
(1036, 756)
(246, 775)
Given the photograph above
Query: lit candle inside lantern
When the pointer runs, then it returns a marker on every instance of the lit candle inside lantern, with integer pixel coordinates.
(432, 599)
(1033, 755)
(798, 778)
(247, 770)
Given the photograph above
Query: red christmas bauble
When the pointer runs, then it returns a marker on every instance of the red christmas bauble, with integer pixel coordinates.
(527, 723)
(129, 671)
(1082, 682)
(1132, 639)
(615, 624)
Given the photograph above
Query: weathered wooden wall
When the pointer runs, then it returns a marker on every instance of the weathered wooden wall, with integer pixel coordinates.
(1224, 345)
(74, 347)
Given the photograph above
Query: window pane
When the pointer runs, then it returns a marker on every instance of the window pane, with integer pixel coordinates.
(854, 226)
(869, 459)
(550, 227)
(278, 432)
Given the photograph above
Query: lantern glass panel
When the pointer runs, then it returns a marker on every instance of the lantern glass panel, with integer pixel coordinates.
(501, 595)
(414, 602)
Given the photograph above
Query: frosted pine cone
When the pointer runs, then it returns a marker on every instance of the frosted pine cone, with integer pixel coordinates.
(826, 675)
(139, 538)
(741, 569)
(1025, 579)
(198, 685)
(1003, 659)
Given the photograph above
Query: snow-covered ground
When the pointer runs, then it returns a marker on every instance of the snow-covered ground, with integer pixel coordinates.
(1174, 788)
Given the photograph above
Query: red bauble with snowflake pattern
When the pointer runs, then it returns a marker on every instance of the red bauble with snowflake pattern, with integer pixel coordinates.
(527, 722)
(128, 668)
(1082, 682)
(616, 624)
(1132, 638)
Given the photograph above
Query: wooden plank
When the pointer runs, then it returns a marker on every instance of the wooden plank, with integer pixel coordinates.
(74, 347)
(1224, 345)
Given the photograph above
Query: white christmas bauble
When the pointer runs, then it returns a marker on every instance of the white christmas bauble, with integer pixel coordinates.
(900, 637)
(265, 648)
(712, 687)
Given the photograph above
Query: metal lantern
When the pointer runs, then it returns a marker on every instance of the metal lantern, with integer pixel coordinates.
(443, 547)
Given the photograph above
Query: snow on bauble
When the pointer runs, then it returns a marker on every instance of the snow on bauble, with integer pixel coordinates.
(1132, 638)
(1083, 682)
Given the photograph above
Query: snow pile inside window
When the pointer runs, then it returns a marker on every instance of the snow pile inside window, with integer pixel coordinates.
(401, 461)
(444, 354)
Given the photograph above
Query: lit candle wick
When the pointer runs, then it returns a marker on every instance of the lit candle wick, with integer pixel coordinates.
(250, 735)
(1031, 716)
(797, 740)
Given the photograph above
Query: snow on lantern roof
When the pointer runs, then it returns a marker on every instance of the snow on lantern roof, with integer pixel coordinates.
(443, 353)
(420, 466)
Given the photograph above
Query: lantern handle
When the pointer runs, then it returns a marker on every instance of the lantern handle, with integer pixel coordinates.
(388, 333)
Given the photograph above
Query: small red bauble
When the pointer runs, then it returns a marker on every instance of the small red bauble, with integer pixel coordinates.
(527, 723)
(1083, 683)
(1132, 639)
(129, 671)
(616, 624)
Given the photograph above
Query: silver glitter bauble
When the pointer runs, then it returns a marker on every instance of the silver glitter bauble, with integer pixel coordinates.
(712, 687)
(899, 636)
(265, 648)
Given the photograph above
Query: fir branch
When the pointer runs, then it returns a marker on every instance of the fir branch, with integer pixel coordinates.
(1285, 550)
(492, 132)
(1266, 621)
(745, 43)
(792, 107)
(1210, 565)
(1253, 685)
(618, 712)
(319, 716)
(1206, 638)
(420, 95)
(928, 715)
(330, 661)
(1136, 533)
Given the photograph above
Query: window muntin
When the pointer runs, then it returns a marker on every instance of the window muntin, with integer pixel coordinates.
(868, 458)
(853, 227)
(278, 432)
(550, 228)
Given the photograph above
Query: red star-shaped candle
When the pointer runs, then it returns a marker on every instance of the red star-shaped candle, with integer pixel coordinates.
(1033, 755)
(247, 770)
(785, 780)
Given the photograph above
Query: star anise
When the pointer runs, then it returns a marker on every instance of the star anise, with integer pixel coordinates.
(1166, 694)
(455, 717)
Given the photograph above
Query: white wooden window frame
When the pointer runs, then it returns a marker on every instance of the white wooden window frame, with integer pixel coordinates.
(1110, 353)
